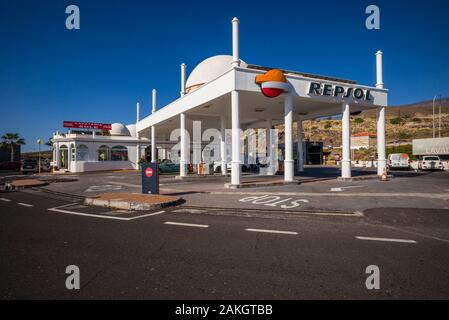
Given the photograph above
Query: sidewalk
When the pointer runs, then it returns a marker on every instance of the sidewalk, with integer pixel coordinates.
(132, 201)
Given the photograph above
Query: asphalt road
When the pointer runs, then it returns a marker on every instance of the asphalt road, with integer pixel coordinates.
(227, 254)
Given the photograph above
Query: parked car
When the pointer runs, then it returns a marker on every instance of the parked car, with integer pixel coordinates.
(166, 166)
(217, 166)
(10, 166)
(430, 163)
(399, 161)
(29, 166)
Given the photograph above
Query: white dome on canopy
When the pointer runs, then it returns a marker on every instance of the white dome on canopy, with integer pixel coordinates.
(119, 129)
(208, 70)
(132, 129)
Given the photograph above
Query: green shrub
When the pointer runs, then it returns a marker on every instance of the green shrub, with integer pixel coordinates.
(358, 120)
(396, 121)
(403, 135)
(417, 120)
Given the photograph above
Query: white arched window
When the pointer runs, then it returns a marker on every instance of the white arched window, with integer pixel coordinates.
(103, 153)
(82, 153)
(119, 153)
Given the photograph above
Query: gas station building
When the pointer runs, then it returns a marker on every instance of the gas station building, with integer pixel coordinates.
(226, 92)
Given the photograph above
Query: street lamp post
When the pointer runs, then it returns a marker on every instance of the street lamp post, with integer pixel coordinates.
(39, 142)
(439, 119)
(433, 115)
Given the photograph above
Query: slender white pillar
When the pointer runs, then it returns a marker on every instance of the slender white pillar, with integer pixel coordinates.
(289, 164)
(223, 145)
(379, 71)
(154, 93)
(300, 148)
(153, 130)
(235, 106)
(137, 135)
(235, 43)
(183, 162)
(183, 79)
(381, 157)
(153, 145)
(346, 142)
(272, 167)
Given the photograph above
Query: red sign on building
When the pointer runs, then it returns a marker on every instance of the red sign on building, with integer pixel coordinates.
(87, 125)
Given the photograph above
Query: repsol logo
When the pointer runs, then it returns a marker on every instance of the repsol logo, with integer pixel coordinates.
(339, 91)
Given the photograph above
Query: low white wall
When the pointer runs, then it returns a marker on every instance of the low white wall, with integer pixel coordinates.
(83, 166)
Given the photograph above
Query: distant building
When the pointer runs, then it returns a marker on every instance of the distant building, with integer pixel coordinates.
(363, 140)
(79, 152)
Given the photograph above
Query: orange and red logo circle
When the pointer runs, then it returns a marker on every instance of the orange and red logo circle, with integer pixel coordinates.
(273, 83)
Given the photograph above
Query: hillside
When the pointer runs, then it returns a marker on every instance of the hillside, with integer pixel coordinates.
(403, 123)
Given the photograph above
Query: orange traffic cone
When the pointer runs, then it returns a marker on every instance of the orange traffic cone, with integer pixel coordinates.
(384, 176)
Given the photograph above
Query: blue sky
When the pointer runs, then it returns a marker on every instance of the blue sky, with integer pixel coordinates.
(125, 48)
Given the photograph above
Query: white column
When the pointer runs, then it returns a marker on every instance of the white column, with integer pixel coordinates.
(346, 142)
(271, 157)
(183, 79)
(154, 93)
(288, 122)
(381, 157)
(300, 150)
(183, 162)
(137, 135)
(153, 130)
(153, 145)
(235, 171)
(379, 71)
(235, 43)
(223, 145)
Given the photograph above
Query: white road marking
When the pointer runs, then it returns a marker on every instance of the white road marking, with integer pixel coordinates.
(442, 196)
(106, 187)
(187, 224)
(5, 200)
(272, 231)
(341, 189)
(59, 209)
(25, 204)
(385, 239)
(125, 184)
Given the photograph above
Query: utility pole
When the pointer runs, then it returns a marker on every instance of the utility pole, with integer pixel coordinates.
(439, 119)
(39, 142)
(433, 113)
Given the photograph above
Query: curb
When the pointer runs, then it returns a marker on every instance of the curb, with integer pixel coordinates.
(128, 205)
(361, 178)
(10, 186)
(256, 184)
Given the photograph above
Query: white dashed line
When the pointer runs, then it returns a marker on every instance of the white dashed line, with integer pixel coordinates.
(273, 231)
(25, 204)
(58, 209)
(187, 224)
(5, 200)
(385, 239)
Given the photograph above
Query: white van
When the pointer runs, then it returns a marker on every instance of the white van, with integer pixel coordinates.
(399, 161)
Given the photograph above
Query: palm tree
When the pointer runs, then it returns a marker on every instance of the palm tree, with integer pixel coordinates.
(49, 142)
(10, 140)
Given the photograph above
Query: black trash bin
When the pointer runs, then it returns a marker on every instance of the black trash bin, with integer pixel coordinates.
(150, 178)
